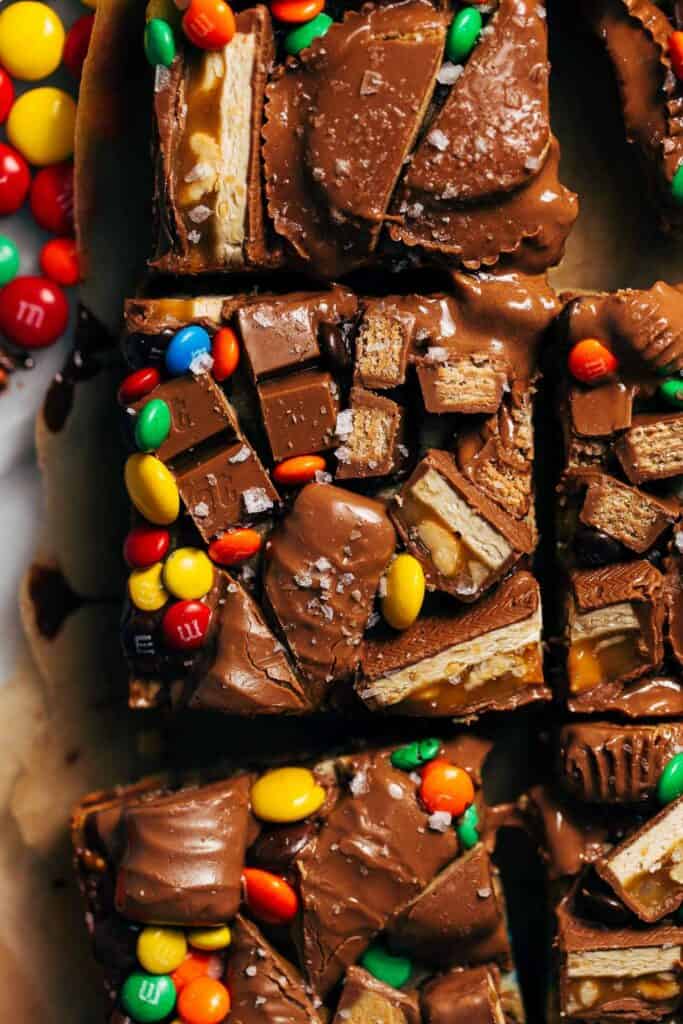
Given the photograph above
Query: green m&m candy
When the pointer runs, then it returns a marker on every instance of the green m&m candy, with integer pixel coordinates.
(468, 827)
(9, 260)
(671, 391)
(414, 755)
(159, 42)
(670, 785)
(302, 36)
(392, 970)
(463, 34)
(153, 425)
(148, 998)
(677, 185)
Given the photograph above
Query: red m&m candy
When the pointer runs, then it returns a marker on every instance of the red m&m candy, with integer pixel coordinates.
(76, 44)
(6, 95)
(34, 312)
(15, 180)
(59, 261)
(590, 361)
(138, 384)
(52, 198)
(145, 545)
(185, 625)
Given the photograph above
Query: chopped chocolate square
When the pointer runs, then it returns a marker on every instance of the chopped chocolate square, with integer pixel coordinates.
(602, 410)
(225, 488)
(464, 662)
(370, 446)
(323, 567)
(300, 413)
(184, 855)
(463, 997)
(646, 869)
(653, 447)
(464, 541)
(365, 999)
(629, 515)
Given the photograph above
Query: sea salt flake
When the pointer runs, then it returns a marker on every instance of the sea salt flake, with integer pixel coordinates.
(358, 783)
(240, 456)
(438, 139)
(256, 500)
(198, 214)
(440, 821)
(201, 510)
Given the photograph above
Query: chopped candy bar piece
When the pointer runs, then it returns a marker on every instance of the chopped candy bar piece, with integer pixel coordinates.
(631, 516)
(460, 384)
(652, 449)
(370, 448)
(464, 997)
(300, 413)
(366, 999)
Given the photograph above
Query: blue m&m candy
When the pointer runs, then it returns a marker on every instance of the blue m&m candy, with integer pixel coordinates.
(184, 347)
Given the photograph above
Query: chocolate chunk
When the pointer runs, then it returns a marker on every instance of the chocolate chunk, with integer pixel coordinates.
(464, 662)
(459, 918)
(601, 410)
(199, 413)
(460, 384)
(300, 413)
(621, 973)
(653, 448)
(463, 997)
(373, 855)
(209, 109)
(602, 762)
(629, 515)
(596, 902)
(364, 1000)
(184, 855)
(281, 333)
(224, 488)
(464, 541)
(646, 869)
(246, 669)
(569, 837)
(329, 172)
(371, 445)
(264, 987)
(323, 566)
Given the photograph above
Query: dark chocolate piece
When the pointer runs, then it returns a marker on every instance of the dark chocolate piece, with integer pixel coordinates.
(465, 662)
(463, 997)
(602, 762)
(184, 855)
(370, 446)
(323, 566)
(377, 845)
(300, 413)
(365, 999)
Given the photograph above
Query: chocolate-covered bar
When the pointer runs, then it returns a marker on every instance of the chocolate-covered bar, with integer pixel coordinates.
(327, 905)
(615, 363)
(369, 145)
(272, 498)
(636, 36)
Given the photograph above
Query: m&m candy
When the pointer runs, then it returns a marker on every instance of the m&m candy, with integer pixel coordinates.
(445, 787)
(77, 43)
(159, 42)
(185, 625)
(184, 347)
(676, 53)
(148, 998)
(42, 124)
(300, 469)
(414, 755)
(670, 784)
(151, 487)
(31, 40)
(225, 351)
(235, 547)
(303, 35)
(269, 897)
(34, 312)
(286, 794)
(144, 545)
(153, 425)
(138, 384)
(9, 260)
(468, 828)
(209, 24)
(463, 34)
(383, 965)
(6, 95)
(161, 950)
(59, 261)
(15, 180)
(671, 391)
(210, 938)
(52, 198)
(204, 1001)
(195, 965)
(405, 591)
(188, 574)
(146, 588)
(590, 361)
(296, 11)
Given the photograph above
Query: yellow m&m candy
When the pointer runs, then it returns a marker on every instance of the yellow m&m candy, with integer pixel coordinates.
(161, 950)
(152, 489)
(31, 40)
(146, 588)
(209, 939)
(405, 592)
(188, 574)
(41, 125)
(286, 794)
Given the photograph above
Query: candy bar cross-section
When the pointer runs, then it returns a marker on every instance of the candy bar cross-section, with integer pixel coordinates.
(371, 134)
(333, 500)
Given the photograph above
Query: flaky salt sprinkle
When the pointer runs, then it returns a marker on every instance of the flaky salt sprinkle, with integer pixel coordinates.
(438, 139)
(162, 76)
(201, 363)
(440, 821)
(256, 500)
(449, 73)
(201, 510)
(198, 214)
(344, 424)
(242, 455)
(358, 784)
(250, 971)
(395, 791)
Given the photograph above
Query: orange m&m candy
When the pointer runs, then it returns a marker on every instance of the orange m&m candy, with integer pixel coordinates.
(225, 350)
(296, 11)
(590, 361)
(204, 1001)
(235, 547)
(676, 53)
(300, 469)
(445, 787)
(269, 897)
(209, 24)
